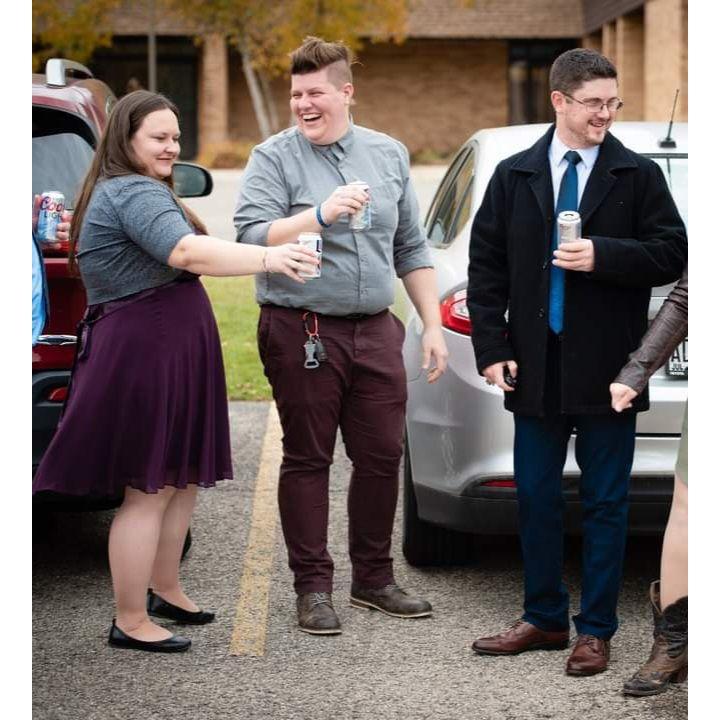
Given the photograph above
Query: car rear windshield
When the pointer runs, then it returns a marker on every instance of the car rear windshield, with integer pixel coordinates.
(60, 162)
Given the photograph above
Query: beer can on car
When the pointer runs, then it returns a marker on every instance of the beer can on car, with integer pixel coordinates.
(52, 206)
(362, 219)
(569, 226)
(313, 241)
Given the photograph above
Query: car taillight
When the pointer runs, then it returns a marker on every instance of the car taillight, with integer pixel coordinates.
(62, 251)
(454, 313)
(500, 483)
(58, 395)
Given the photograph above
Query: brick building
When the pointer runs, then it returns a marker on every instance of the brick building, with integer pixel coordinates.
(461, 67)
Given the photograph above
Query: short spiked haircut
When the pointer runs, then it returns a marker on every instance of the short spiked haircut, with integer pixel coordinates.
(575, 67)
(316, 54)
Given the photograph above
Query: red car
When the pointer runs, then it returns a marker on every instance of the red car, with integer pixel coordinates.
(70, 109)
(69, 113)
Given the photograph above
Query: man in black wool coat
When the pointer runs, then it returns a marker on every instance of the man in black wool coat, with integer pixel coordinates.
(574, 314)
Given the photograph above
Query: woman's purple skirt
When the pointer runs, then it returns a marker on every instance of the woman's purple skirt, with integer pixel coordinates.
(147, 405)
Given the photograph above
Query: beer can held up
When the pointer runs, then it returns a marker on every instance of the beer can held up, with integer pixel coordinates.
(52, 206)
(569, 226)
(362, 219)
(313, 241)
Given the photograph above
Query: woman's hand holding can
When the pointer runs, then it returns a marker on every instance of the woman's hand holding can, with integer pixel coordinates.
(290, 259)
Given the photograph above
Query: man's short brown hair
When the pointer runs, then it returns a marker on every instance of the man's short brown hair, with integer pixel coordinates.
(316, 54)
(575, 67)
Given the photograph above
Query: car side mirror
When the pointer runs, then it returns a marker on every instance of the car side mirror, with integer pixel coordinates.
(191, 180)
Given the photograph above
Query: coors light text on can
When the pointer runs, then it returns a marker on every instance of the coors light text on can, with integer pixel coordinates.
(569, 227)
(361, 220)
(313, 241)
(52, 206)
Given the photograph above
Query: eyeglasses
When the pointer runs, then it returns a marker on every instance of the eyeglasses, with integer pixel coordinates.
(595, 105)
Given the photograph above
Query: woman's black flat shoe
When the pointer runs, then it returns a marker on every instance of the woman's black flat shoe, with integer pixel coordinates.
(158, 607)
(172, 644)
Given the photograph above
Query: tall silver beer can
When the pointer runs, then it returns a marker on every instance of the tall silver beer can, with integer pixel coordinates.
(313, 241)
(569, 226)
(362, 219)
(52, 206)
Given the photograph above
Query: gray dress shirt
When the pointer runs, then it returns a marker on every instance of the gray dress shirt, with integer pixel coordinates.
(287, 174)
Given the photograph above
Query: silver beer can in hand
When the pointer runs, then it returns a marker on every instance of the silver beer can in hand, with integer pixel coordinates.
(569, 226)
(52, 206)
(313, 241)
(362, 219)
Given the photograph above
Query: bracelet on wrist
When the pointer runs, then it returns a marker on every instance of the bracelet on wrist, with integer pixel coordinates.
(264, 261)
(319, 218)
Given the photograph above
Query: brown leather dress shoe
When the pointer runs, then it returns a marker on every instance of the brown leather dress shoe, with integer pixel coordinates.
(316, 614)
(589, 656)
(520, 637)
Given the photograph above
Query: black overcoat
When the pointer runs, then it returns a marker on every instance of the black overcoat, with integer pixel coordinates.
(640, 242)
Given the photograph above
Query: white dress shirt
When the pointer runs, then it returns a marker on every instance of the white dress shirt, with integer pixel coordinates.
(558, 164)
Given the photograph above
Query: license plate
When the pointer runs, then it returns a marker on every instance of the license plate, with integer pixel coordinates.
(677, 365)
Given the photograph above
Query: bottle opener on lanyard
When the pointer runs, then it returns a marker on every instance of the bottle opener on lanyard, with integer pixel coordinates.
(314, 349)
(310, 361)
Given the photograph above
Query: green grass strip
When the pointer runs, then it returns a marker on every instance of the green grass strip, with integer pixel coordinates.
(236, 312)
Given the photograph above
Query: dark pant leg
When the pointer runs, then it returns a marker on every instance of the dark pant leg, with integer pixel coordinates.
(308, 403)
(372, 422)
(604, 450)
(540, 450)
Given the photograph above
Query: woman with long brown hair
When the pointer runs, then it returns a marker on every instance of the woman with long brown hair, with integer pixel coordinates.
(146, 414)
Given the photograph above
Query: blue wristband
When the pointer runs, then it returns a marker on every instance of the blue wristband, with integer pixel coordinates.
(319, 217)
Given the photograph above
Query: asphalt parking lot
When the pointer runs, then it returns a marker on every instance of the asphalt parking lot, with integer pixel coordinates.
(253, 662)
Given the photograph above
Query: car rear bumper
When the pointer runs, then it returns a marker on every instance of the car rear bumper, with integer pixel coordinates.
(45, 413)
(493, 510)
(460, 436)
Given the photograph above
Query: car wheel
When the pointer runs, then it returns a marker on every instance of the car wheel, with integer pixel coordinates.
(425, 544)
(187, 544)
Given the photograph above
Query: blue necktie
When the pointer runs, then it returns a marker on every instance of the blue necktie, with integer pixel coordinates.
(567, 200)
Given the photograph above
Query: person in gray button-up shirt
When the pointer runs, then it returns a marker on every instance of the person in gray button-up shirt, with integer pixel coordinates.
(289, 176)
(301, 180)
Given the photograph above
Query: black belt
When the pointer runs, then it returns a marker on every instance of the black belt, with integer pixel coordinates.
(352, 316)
(355, 316)
(358, 316)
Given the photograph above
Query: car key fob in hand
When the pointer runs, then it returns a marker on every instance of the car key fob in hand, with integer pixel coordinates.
(508, 378)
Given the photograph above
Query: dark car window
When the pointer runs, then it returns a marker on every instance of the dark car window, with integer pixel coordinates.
(453, 201)
(463, 213)
(443, 187)
(60, 162)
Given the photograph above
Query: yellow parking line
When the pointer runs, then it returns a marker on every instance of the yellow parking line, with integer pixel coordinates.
(249, 630)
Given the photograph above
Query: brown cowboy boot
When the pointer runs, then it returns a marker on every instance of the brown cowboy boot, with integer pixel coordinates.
(668, 661)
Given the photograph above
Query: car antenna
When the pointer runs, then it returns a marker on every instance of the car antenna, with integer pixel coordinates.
(668, 142)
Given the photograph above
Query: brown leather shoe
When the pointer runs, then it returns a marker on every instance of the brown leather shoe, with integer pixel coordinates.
(316, 614)
(391, 600)
(520, 637)
(589, 656)
(668, 661)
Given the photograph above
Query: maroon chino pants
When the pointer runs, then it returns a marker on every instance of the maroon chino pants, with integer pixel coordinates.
(360, 389)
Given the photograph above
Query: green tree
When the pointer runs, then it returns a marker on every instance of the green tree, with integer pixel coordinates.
(264, 33)
(71, 29)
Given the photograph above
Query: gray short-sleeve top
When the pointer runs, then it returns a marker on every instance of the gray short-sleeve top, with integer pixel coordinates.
(131, 225)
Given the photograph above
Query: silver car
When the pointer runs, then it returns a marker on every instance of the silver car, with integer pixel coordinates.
(458, 480)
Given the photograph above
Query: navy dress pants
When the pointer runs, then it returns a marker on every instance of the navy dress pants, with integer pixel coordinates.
(361, 390)
(604, 449)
